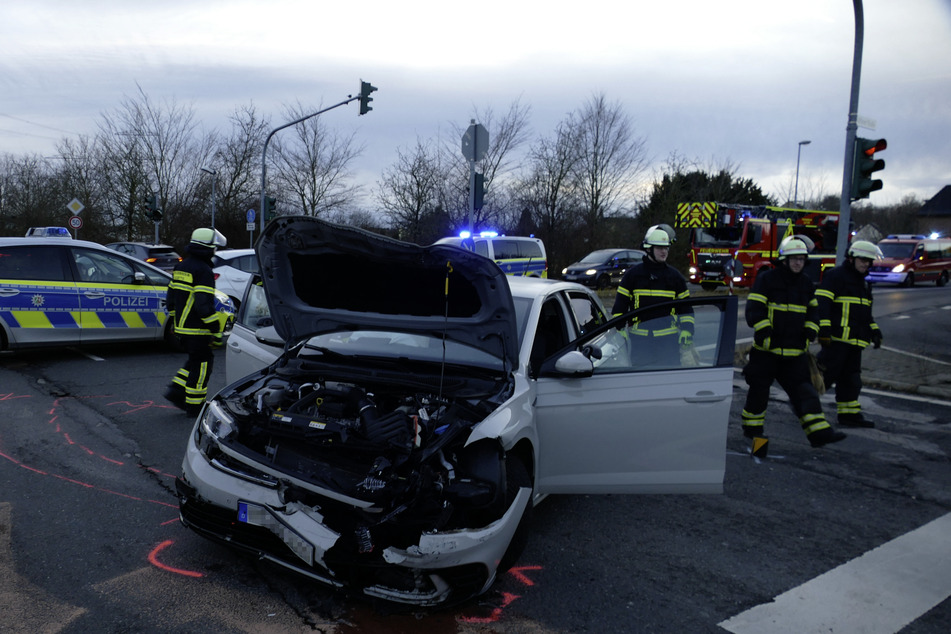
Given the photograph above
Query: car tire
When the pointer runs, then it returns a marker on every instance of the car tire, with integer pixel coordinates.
(517, 477)
(604, 283)
(942, 279)
(909, 280)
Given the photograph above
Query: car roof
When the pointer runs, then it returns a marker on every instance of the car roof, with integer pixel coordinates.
(228, 254)
(323, 277)
(533, 287)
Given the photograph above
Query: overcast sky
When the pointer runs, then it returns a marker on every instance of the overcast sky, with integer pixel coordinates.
(738, 82)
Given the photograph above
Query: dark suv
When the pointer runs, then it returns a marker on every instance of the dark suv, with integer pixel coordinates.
(162, 256)
(602, 268)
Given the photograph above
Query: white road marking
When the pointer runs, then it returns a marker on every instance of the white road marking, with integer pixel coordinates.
(879, 592)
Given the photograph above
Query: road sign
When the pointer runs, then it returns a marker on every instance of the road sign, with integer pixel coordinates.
(75, 222)
(251, 216)
(475, 142)
(75, 206)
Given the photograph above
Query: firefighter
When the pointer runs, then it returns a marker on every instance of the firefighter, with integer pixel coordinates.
(191, 304)
(846, 326)
(655, 336)
(782, 310)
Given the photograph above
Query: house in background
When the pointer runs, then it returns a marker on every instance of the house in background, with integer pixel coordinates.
(935, 215)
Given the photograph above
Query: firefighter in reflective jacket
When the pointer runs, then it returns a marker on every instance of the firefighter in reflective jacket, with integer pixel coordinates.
(782, 310)
(846, 327)
(191, 304)
(655, 336)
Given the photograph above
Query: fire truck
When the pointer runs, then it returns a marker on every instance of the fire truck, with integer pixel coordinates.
(731, 244)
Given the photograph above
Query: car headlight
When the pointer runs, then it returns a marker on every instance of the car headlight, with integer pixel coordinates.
(591, 272)
(899, 268)
(214, 425)
(564, 271)
(693, 270)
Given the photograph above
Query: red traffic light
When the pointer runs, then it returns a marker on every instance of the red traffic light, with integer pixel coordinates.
(870, 147)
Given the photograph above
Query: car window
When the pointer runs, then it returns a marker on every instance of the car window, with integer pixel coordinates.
(528, 249)
(620, 351)
(586, 312)
(482, 248)
(246, 263)
(37, 262)
(505, 249)
(551, 334)
(102, 267)
(254, 312)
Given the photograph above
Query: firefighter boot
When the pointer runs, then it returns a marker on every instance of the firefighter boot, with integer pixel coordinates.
(855, 420)
(176, 396)
(825, 436)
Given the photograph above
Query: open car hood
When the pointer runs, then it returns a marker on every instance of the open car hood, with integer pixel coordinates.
(322, 277)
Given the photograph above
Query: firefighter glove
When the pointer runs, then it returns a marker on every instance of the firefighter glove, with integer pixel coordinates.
(686, 338)
(876, 339)
(762, 335)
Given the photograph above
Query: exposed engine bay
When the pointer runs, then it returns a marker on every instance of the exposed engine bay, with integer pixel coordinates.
(390, 444)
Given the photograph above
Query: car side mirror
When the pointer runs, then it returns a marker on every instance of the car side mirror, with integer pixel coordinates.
(574, 364)
(139, 278)
(268, 336)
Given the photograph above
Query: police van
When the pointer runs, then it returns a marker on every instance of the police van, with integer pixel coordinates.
(58, 292)
(909, 259)
(515, 255)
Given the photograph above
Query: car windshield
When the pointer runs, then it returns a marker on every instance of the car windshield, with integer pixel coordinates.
(717, 237)
(380, 344)
(597, 257)
(897, 250)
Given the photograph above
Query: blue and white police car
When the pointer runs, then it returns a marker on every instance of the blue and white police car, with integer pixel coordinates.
(58, 292)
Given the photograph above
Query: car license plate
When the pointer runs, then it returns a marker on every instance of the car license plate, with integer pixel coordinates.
(256, 515)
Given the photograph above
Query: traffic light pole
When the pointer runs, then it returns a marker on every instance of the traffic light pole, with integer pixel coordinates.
(845, 202)
(364, 97)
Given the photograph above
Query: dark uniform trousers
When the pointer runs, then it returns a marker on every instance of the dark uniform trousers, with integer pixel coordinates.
(192, 378)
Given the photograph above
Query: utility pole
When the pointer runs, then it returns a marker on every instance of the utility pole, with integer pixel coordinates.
(845, 202)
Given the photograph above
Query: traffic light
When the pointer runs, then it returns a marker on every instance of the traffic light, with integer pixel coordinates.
(152, 210)
(865, 165)
(365, 98)
(270, 206)
(478, 197)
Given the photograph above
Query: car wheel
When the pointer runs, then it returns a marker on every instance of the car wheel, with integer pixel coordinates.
(942, 279)
(604, 282)
(909, 280)
(516, 478)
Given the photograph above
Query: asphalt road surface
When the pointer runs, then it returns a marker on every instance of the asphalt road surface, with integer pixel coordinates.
(847, 538)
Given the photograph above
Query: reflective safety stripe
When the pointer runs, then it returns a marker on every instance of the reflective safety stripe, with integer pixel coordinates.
(848, 407)
(814, 422)
(81, 319)
(527, 266)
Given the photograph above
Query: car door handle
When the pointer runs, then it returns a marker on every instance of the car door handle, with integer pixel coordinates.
(233, 345)
(705, 397)
(9, 292)
(94, 294)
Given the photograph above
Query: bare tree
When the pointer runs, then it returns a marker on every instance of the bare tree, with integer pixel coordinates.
(313, 168)
(610, 159)
(150, 147)
(409, 190)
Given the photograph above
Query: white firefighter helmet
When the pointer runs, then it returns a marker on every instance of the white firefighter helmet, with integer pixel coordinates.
(864, 249)
(792, 246)
(656, 236)
(211, 238)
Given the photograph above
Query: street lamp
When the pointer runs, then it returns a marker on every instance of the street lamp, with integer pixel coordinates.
(798, 153)
(215, 178)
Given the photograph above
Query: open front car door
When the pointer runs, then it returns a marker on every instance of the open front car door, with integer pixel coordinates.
(618, 413)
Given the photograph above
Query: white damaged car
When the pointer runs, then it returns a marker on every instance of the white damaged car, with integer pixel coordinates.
(424, 401)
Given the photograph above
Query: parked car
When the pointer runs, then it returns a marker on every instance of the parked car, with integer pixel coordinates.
(161, 256)
(48, 232)
(516, 255)
(233, 268)
(417, 408)
(59, 292)
(603, 268)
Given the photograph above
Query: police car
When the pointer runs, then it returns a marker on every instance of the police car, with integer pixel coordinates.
(54, 292)
(516, 255)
